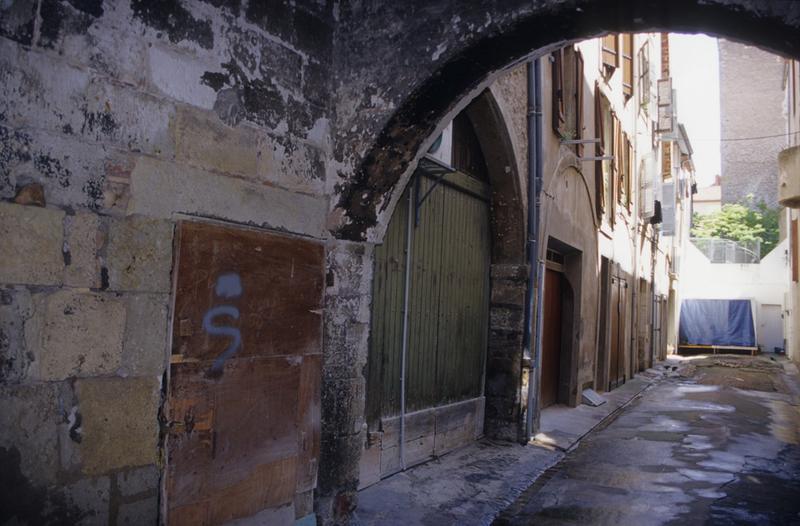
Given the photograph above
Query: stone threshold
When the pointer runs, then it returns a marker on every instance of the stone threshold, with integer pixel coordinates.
(474, 484)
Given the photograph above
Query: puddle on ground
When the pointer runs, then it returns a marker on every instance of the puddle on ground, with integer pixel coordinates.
(712, 477)
(709, 493)
(688, 388)
(697, 442)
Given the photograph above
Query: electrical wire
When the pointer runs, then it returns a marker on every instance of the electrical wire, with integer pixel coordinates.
(745, 138)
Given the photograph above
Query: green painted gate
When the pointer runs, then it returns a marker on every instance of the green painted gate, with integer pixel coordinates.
(448, 297)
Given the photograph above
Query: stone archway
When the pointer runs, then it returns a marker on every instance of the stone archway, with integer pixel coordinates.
(456, 52)
(387, 115)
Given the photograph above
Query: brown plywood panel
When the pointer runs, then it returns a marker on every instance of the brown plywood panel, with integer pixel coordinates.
(308, 420)
(244, 390)
(267, 286)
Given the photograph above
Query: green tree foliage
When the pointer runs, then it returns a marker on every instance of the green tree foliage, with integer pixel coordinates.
(740, 222)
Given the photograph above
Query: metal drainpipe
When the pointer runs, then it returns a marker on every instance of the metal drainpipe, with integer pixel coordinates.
(654, 259)
(535, 168)
(404, 351)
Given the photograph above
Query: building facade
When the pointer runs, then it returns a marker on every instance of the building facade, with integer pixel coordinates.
(752, 122)
(789, 196)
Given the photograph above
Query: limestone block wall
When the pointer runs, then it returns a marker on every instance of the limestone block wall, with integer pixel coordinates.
(118, 118)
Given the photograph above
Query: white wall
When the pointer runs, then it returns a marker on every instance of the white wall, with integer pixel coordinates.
(764, 283)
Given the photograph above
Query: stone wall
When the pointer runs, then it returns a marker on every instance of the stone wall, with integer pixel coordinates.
(116, 119)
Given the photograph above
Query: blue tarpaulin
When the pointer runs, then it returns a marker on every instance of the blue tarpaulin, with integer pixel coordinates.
(717, 322)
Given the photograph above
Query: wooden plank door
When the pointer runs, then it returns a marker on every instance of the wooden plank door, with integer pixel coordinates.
(614, 354)
(551, 338)
(243, 397)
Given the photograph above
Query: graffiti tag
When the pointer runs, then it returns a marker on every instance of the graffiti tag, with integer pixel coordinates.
(228, 286)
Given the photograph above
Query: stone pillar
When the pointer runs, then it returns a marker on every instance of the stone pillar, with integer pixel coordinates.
(504, 368)
(346, 332)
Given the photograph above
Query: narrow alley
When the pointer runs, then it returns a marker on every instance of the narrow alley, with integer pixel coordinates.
(718, 442)
(418, 262)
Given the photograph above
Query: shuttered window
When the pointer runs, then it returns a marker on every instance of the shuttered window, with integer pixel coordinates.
(644, 87)
(627, 65)
(793, 245)
(666, 160)
(600, 149)
(604, 170)
(629, 163)
(616, 166)
(610, 51)
(559, 111)
(567, 74)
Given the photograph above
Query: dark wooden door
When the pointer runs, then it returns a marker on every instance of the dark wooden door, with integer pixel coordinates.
(614, 355)
(243, 402)
(551, 338)
(616, 368)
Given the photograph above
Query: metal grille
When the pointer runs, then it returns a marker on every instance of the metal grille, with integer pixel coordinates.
(727, 251)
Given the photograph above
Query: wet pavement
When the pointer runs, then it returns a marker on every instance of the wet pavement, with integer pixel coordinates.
(717, 442)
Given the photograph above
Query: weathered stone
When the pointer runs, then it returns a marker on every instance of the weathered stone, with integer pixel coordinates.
(292, 164)
(127, 118)
(504, 318)
(15, 309)
(178, 74)
(203, 141)
(29, 422)
(30, 245)
(161, 189)
(91, 496)
(351, 341)
(81, 335)
(349, 268)
(80, 250)
(505, 292)
(139, 254)
(343, 406)
(39, 90)
(145, 349)
(17, 20)
(30, 194)
(69, 169)
(119, 422)
(517, 273)
(143, 511)
(138, 480)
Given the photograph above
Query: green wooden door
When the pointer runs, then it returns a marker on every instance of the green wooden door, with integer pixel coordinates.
(448, 298)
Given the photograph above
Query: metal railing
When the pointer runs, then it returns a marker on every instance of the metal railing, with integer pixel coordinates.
(727, 251)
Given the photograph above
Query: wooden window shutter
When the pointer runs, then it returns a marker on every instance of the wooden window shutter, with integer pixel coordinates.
(627, 65)
(617, 163)
(666, 160)
(558, 91)
(623, 168)
(599, 150)
(630, 162)
(610, 50)
(794, 248)
(579, 100)
(614, 176)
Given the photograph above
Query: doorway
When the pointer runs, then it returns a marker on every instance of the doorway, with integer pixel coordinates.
(557, 326)
(551, 337)
(770, 328)
(618, 306)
